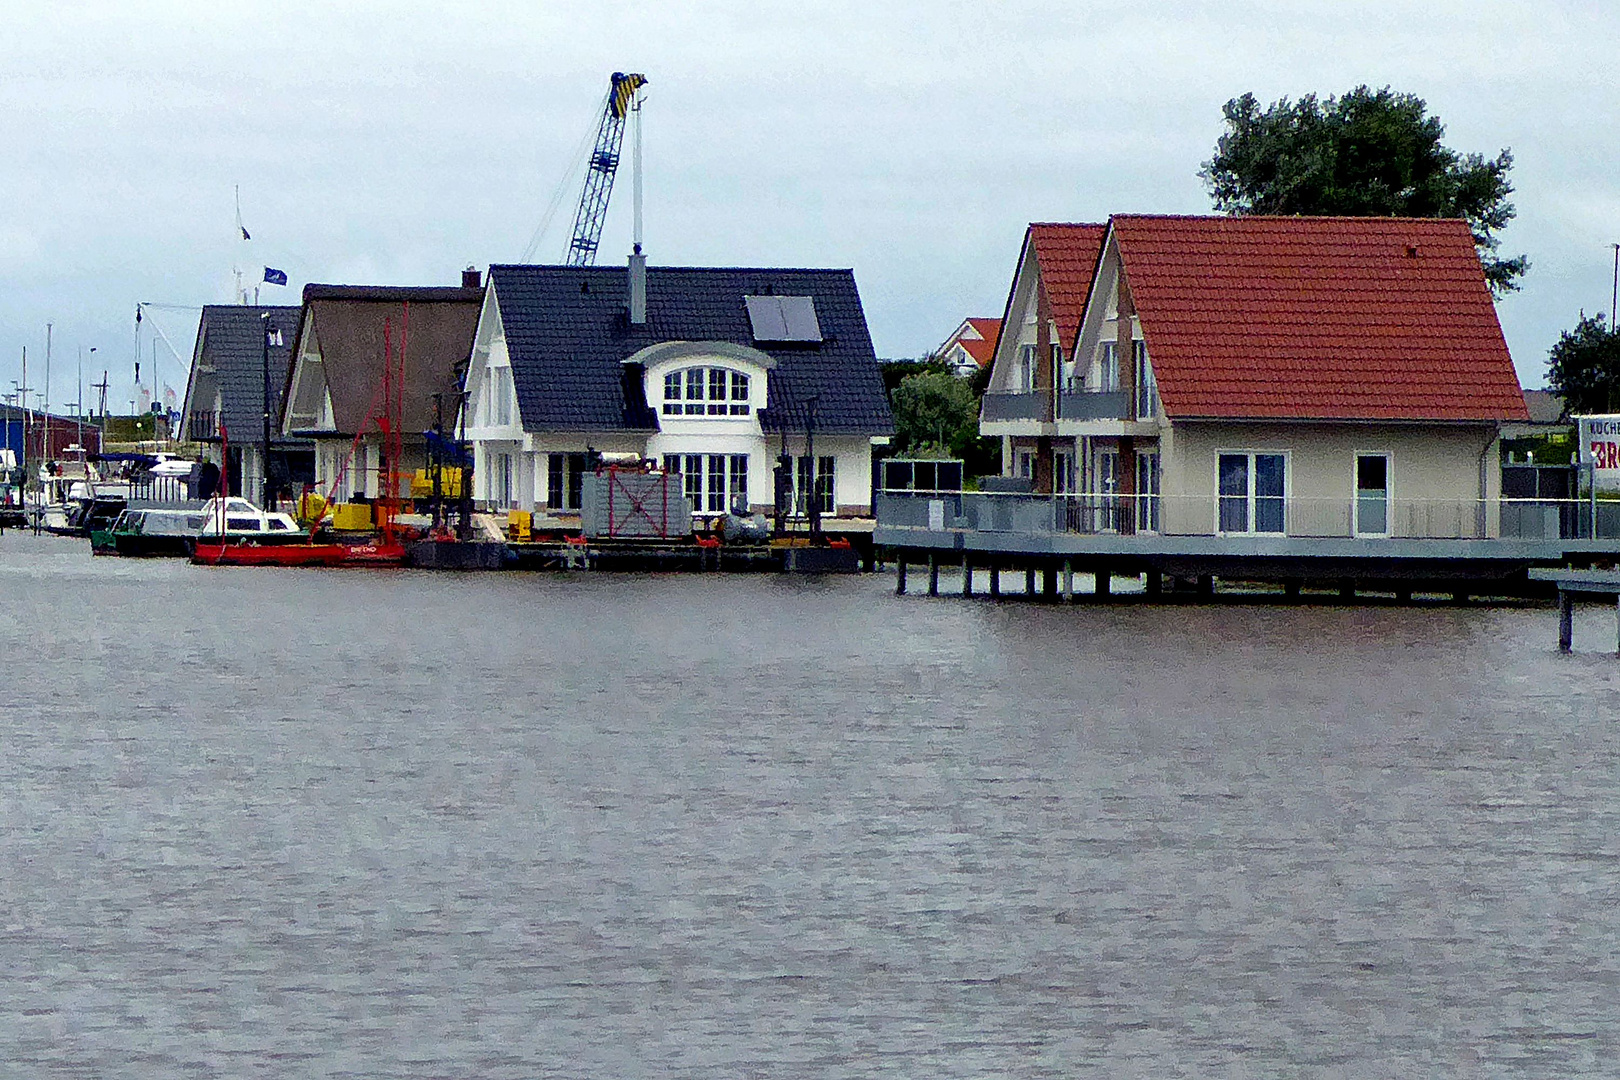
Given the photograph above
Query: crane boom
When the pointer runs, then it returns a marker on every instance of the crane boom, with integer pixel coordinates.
(593, 200)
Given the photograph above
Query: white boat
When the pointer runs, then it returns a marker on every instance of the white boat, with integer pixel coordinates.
(238, 519)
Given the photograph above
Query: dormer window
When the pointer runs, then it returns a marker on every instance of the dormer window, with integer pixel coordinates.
(710, 391)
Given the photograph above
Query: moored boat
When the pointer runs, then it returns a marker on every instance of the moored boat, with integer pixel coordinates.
(248, 553)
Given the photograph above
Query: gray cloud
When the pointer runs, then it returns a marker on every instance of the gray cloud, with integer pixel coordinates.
(911, 141)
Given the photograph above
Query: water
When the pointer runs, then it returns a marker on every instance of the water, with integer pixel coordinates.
(381, 824)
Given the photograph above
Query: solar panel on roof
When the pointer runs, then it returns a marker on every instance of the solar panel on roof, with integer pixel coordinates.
(783, 318)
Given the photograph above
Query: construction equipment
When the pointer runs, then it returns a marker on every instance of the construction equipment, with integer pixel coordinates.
(622, 99)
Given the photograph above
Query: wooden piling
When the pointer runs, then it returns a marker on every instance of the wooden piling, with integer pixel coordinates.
(967, 576)
(1029, 579)
(1068, 581)
(995, 579)
(900, 573)
(1566, 621)
(933, 573)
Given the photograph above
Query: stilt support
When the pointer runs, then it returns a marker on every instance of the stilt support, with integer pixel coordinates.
(933, 573)
(1566, 621)
(1068, 581)
(995, 580)
(967, 576)
(900, 574)
(1029, 580)
(1105, 582)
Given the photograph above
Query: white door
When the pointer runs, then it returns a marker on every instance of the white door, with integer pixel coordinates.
(1372, 494)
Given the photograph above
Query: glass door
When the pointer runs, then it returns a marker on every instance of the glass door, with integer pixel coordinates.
(1147, 492)
(1372, 495)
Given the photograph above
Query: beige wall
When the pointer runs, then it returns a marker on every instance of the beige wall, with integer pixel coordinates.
(1433, 469)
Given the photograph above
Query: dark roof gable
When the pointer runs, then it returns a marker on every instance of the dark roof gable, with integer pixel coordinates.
(229, 341)
(568, 333)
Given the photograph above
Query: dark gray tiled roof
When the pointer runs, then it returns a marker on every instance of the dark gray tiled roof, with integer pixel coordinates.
(228, 340)
(567, 332)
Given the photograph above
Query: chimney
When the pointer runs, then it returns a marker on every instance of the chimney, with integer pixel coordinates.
(638, 287)
(470, 278)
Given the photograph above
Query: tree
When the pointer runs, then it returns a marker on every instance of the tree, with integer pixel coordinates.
(1370, 153)
(935, 412)
(1585, 367)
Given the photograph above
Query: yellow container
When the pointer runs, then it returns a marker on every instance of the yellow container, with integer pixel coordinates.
(519, 525)
(351, 516)
(449, 483)
(310, 506)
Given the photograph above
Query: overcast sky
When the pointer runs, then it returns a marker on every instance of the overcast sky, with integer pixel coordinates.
(398, 143)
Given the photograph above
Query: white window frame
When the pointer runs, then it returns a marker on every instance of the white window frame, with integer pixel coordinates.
(1147, 387)
(1355, 493)
(1108, 366)
(1287, 495)
(728, 406)
(1026, 368)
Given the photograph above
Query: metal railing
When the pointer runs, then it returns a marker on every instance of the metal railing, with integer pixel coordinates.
(1083, 403)
(1023, 405)
(1364, 518)
(1080, 403)
(202, 426)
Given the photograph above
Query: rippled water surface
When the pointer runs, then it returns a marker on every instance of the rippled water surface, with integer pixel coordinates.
(385, 824)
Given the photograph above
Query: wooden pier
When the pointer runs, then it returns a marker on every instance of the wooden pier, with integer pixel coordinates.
(1570, 583)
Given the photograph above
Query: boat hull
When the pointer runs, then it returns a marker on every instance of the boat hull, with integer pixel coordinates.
(383, 554)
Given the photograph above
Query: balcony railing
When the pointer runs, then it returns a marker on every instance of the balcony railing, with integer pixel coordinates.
(1367, 517)
(1077, 404)
(1026, 405)
(1084, 404)
(203, 425)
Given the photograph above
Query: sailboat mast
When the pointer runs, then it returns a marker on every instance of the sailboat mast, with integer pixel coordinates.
(45, 444)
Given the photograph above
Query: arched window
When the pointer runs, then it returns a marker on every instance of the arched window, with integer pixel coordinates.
(706, 391)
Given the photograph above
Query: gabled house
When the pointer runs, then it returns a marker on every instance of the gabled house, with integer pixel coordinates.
(971, 347)
(334, 386)
(709, 372)
(225, 396)
(1283, 376)
(1032, 361)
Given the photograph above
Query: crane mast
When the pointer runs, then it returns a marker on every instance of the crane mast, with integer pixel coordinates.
(593, 200)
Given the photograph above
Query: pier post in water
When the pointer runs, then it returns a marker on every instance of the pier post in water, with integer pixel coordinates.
(900, 573)
(1029, 580)
(1068, 581)
(967, 575)
(933, 573)
(995, 579)
(1566, 621)
(1105, 582)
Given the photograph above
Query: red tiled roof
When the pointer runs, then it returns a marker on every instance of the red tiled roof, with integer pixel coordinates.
(983, 350)
(1067, 257)
(1318, 318)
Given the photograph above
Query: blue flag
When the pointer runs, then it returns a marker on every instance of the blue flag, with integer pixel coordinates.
(274, 276)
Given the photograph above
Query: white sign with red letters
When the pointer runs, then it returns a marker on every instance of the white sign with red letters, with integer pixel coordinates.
(1600, 450)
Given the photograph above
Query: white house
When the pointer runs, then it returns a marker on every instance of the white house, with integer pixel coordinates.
(711, 372)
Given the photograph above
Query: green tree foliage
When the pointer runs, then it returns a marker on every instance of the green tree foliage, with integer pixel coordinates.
(936, 414)
(1370, 153)
(1585, 367)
